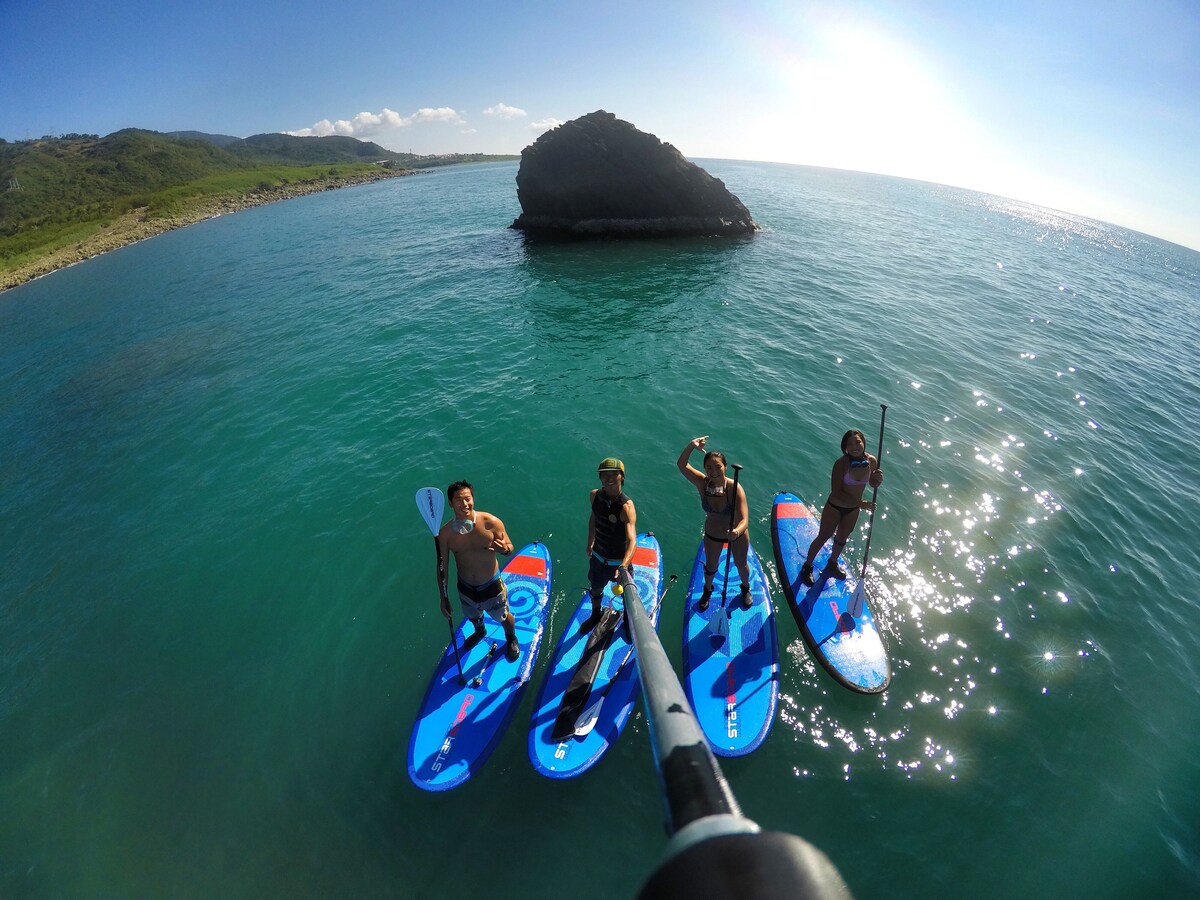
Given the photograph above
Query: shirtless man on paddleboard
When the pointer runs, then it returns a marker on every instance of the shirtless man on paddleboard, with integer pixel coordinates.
(475, 537)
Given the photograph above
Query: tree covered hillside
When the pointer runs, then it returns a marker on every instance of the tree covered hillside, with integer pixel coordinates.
(56, 191)
(78, 178)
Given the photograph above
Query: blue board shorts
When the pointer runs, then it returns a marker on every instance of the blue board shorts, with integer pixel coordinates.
(601, 572)
(490, 598)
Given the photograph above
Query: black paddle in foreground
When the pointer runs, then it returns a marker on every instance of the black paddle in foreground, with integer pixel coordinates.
(589, 717)
(580, 687)
(714, 851)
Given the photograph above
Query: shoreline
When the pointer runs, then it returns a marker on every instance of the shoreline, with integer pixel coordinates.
(136, 225)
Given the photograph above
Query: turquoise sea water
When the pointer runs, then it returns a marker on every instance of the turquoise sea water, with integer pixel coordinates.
(217, 602)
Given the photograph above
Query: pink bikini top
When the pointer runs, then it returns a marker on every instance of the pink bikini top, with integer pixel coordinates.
(865, 465)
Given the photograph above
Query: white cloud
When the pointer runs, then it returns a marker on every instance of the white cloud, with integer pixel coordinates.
(366, 124)
(544, 125)
(503, 111)
(441, 114)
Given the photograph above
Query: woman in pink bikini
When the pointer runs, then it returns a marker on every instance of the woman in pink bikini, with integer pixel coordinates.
(854, 470)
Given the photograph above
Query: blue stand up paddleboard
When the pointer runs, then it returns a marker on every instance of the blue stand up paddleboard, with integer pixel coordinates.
(849, 647)
(565, 741)
(732, 680)
(460, 724)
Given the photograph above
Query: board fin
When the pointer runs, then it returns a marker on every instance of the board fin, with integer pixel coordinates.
(575, 697)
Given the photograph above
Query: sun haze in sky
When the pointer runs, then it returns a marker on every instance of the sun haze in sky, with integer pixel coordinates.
(1088, 107)
(856, 98)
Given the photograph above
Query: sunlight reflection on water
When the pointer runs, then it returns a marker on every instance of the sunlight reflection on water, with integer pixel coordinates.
(972, 582)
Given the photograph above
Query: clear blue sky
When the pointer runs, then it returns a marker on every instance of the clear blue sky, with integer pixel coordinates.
(1087, 106)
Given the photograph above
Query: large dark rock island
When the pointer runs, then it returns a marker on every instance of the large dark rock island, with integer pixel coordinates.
(599, 176)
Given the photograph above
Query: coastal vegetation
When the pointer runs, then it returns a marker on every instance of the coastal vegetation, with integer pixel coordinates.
(69, 197)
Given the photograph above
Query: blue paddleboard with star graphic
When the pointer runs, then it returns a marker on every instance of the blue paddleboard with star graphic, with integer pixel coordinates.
(565, 747)
(731, 673)
(460, 722)
(850, 648)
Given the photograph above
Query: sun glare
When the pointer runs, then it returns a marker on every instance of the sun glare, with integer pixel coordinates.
(853, 97)
(879, 107)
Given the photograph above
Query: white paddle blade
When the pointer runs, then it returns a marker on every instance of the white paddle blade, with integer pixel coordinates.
(719, 623)
(856, 601)
(432, 504)
(588, 718)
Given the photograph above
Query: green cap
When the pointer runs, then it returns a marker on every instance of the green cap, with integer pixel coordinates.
(611, 464)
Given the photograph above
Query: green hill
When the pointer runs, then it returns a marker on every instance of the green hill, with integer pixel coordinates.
(80, 177)
(57, 190)
(221, 140)
(313, 150)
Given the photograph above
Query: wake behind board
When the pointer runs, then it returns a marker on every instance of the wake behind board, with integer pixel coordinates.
(458, 724)
(851, 649)
(616, 678)
(732, 681)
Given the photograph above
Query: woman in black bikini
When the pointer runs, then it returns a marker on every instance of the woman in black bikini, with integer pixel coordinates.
(715, 493)
(853, 471)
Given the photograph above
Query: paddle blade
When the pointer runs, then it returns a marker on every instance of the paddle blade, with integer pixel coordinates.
(432, 504)
(588, 718)
(719, 623)
(856, 601)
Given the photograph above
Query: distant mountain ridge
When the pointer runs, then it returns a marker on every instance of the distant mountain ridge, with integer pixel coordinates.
(334, 148)
(221, 140)
(278, 147)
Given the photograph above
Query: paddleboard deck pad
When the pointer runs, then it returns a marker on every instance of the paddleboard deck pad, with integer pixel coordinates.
(732, 680)
(850, 648)
(615, 680)
(458, 725)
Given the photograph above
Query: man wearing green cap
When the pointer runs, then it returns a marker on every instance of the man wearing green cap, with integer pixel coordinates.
(612, 533)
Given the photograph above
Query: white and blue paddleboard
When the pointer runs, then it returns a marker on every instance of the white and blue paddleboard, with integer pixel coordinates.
(849, 647)
(459, 724)
(616, 681)
(731, 679)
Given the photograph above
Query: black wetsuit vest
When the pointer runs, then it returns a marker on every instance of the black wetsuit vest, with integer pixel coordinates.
(611, 539)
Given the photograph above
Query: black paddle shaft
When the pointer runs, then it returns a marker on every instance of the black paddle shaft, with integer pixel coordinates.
(737, 470)
(874, 493)
(450, 619)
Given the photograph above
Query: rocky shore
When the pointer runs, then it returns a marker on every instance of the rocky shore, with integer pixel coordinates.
(138, 224)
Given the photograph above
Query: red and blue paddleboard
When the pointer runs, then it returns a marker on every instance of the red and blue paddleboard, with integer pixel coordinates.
(616, 680)
(732, 680)
(849, 647)
(459, 724)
